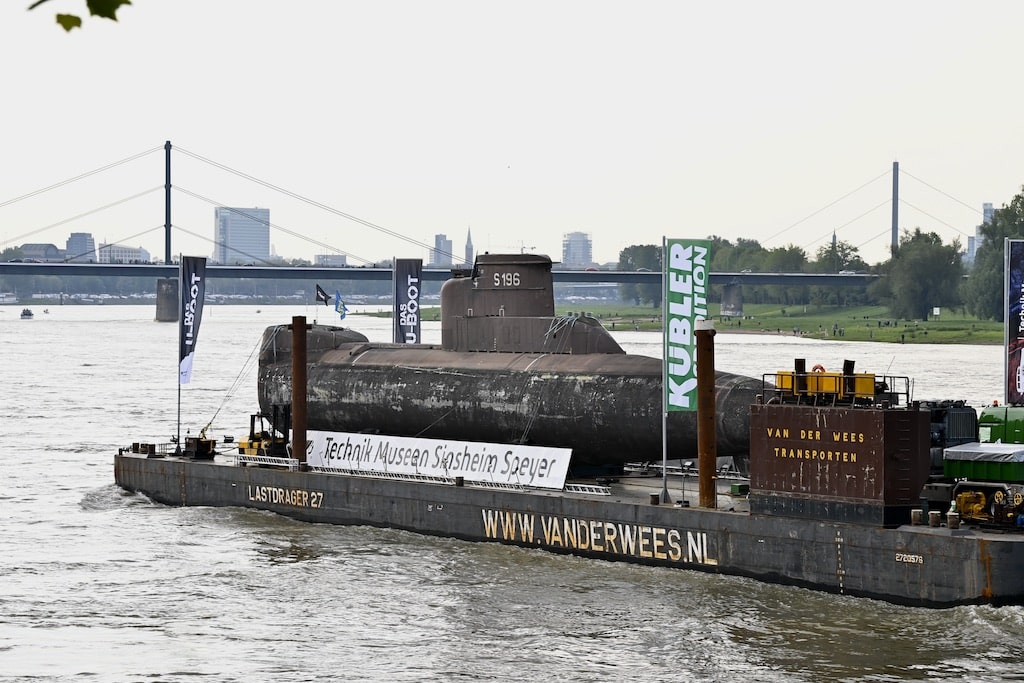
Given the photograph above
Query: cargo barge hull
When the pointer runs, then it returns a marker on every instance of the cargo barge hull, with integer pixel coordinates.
(909, 564)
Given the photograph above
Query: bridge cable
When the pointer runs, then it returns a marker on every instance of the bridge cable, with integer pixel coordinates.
(80, 177)
(852, 220)
(130, 237)
(871, 239)
(83, 215)
(269, 224)
(945, 194)
(311, 202)
(216, 243)
(247, 369)
(829, 205)
(951, 227)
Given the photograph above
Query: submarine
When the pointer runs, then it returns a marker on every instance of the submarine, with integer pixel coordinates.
(508, 370)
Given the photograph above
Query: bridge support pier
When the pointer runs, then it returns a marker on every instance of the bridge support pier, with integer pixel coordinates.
(732, 300)
(167, 303)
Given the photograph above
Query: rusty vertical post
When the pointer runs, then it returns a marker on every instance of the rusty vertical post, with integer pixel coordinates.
(707, 446)
(299, 389)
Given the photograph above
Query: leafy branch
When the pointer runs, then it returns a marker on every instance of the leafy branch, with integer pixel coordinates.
(106, 9)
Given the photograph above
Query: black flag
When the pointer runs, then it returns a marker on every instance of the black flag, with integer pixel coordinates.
(407, 300)
(193, 292)
(321, 295)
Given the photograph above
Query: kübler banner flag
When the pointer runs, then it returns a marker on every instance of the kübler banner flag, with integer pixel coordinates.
(687, 264)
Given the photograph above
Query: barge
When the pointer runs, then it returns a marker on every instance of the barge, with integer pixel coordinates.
(842, 494)
(796, 524)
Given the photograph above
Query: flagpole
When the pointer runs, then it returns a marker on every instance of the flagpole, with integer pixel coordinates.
(664, 372)
(181, 332)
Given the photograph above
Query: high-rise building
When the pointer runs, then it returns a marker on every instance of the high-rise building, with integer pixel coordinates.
(469, 247)
(973, 243)
(241, 235)
(987, 213)
(81, 247)
(576, 250)
(441, 254)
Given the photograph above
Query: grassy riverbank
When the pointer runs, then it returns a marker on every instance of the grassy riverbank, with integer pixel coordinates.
(857, 323)
(848, 323)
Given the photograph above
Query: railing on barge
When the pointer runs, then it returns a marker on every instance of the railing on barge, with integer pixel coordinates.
(820, 387)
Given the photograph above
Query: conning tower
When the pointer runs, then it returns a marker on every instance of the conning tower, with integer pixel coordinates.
(506, 304)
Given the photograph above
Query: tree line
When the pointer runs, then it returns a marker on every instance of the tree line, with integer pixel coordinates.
(922, 274)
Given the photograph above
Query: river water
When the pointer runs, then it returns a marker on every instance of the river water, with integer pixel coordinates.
(104, 585)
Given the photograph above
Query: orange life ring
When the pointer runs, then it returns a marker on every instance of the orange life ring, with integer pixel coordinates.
(818, 367)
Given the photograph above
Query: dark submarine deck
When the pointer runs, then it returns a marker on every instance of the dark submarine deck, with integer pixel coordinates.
(914, 565)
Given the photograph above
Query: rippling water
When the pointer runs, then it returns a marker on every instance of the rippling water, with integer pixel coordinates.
(105, 585)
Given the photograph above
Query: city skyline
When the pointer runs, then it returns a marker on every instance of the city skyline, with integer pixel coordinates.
(773, 123)
(575, 252)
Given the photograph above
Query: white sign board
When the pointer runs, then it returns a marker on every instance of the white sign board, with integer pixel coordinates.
(536, 466)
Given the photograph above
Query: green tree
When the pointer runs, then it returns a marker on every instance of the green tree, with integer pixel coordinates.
(788, 259)
(983, 290)
(641, 257)
(728, 257)
(923, 274)
(835, 258)
(106, 9)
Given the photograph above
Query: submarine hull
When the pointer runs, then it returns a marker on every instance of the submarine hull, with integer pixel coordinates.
(606, 407)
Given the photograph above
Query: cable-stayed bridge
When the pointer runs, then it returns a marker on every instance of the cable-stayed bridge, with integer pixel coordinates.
(429, 274)
(370, 273)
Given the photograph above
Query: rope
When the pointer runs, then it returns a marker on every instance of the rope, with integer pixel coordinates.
(559, 324)
(247, 368)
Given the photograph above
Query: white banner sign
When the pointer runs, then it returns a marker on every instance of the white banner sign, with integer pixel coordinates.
(536, 466)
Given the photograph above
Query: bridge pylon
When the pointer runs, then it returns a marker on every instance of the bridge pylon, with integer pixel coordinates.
(167, 303)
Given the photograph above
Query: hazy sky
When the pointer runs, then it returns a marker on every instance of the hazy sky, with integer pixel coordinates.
(521, 121)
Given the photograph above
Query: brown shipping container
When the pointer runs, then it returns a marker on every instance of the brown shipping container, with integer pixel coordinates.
(843, 453)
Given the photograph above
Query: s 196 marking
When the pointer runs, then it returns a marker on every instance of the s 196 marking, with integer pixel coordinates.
(506, 279)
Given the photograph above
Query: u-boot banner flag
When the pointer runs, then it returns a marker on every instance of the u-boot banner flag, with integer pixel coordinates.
(408, 274)
(193, 290)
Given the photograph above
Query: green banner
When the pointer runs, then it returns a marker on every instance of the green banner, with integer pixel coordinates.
(685, 278)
